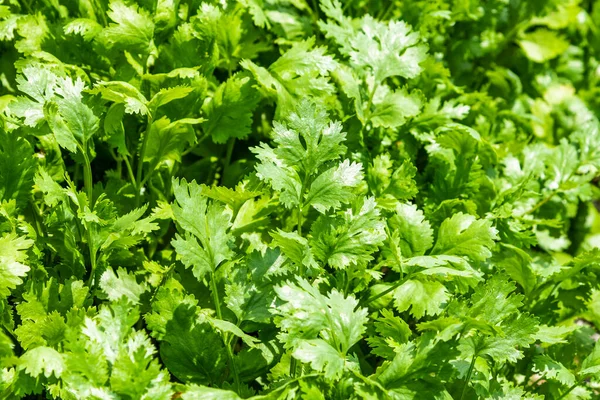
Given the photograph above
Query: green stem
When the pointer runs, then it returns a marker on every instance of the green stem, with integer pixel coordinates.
(542, 202)
(293, 362)
(192, 148)
(300, 220)
(215, 295)
(347, 4)
(510, 35)
(367, 115)
(370, 102)
(140, 165)
(315, 10)
(384, 12)
(228, 154)
(217, 301)
(468, 378)
(386, 291)
(87, 176)
(37, 215)
(149, 174)
(28, 7)
(163, 279)
(100, 11)
(12, 335)
(88, 183)
(293, 366)
(569, 390)
(92, 256)
(129, 171)
(586, 50)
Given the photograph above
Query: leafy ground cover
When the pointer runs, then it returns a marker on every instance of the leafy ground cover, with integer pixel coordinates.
(279, 199)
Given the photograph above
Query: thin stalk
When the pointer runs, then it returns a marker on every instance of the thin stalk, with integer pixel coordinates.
(541, 203)
(228, 155)
(293, 362)
(92, 256)
(118, 159)
(385, 11)
(301, 206)
(215, 295)
(192, 148)
(230, 146)
(217, 301)
(100, 11)
(162, 282)
(140, 166)
(28, 7)
(315, 10)
(129, 171)
(76, 172)
(370, 102)
(88, 183)
(346, 5)
(569, 390)
(468, 378)
(293, 366)
(368, 115)
(149, 174)
(586, 50)
(87, 177)
(37, 215)
(300, 220)
(11, 334)
(386, 291)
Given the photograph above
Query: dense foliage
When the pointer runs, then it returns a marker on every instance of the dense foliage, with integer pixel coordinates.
(282, 199)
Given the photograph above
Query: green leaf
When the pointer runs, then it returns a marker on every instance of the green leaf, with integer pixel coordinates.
(321, 357)
(306, 314)
(385, 50)
(423, 297)
(551, 369)
(206, 243)
(111, 357)
(229, 112)
(42, 360)
(281, 177)
(392, 331)
(394, 108)
(549, 335)
(464, 235)
(121, 284)
(591, 364)
(295, 247)
(86, 28)
(334, 187)
(113, 126)
(39, 84)
(301, 72)
(410, 231)
(167, 140)
(12, 256)
(17, 166)
(167, 95)
(250, 292)
(132, 28)
(203, 392)
(123, 93)
(542, 45)
(226, 327)
(350, 238)
(192, 351)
